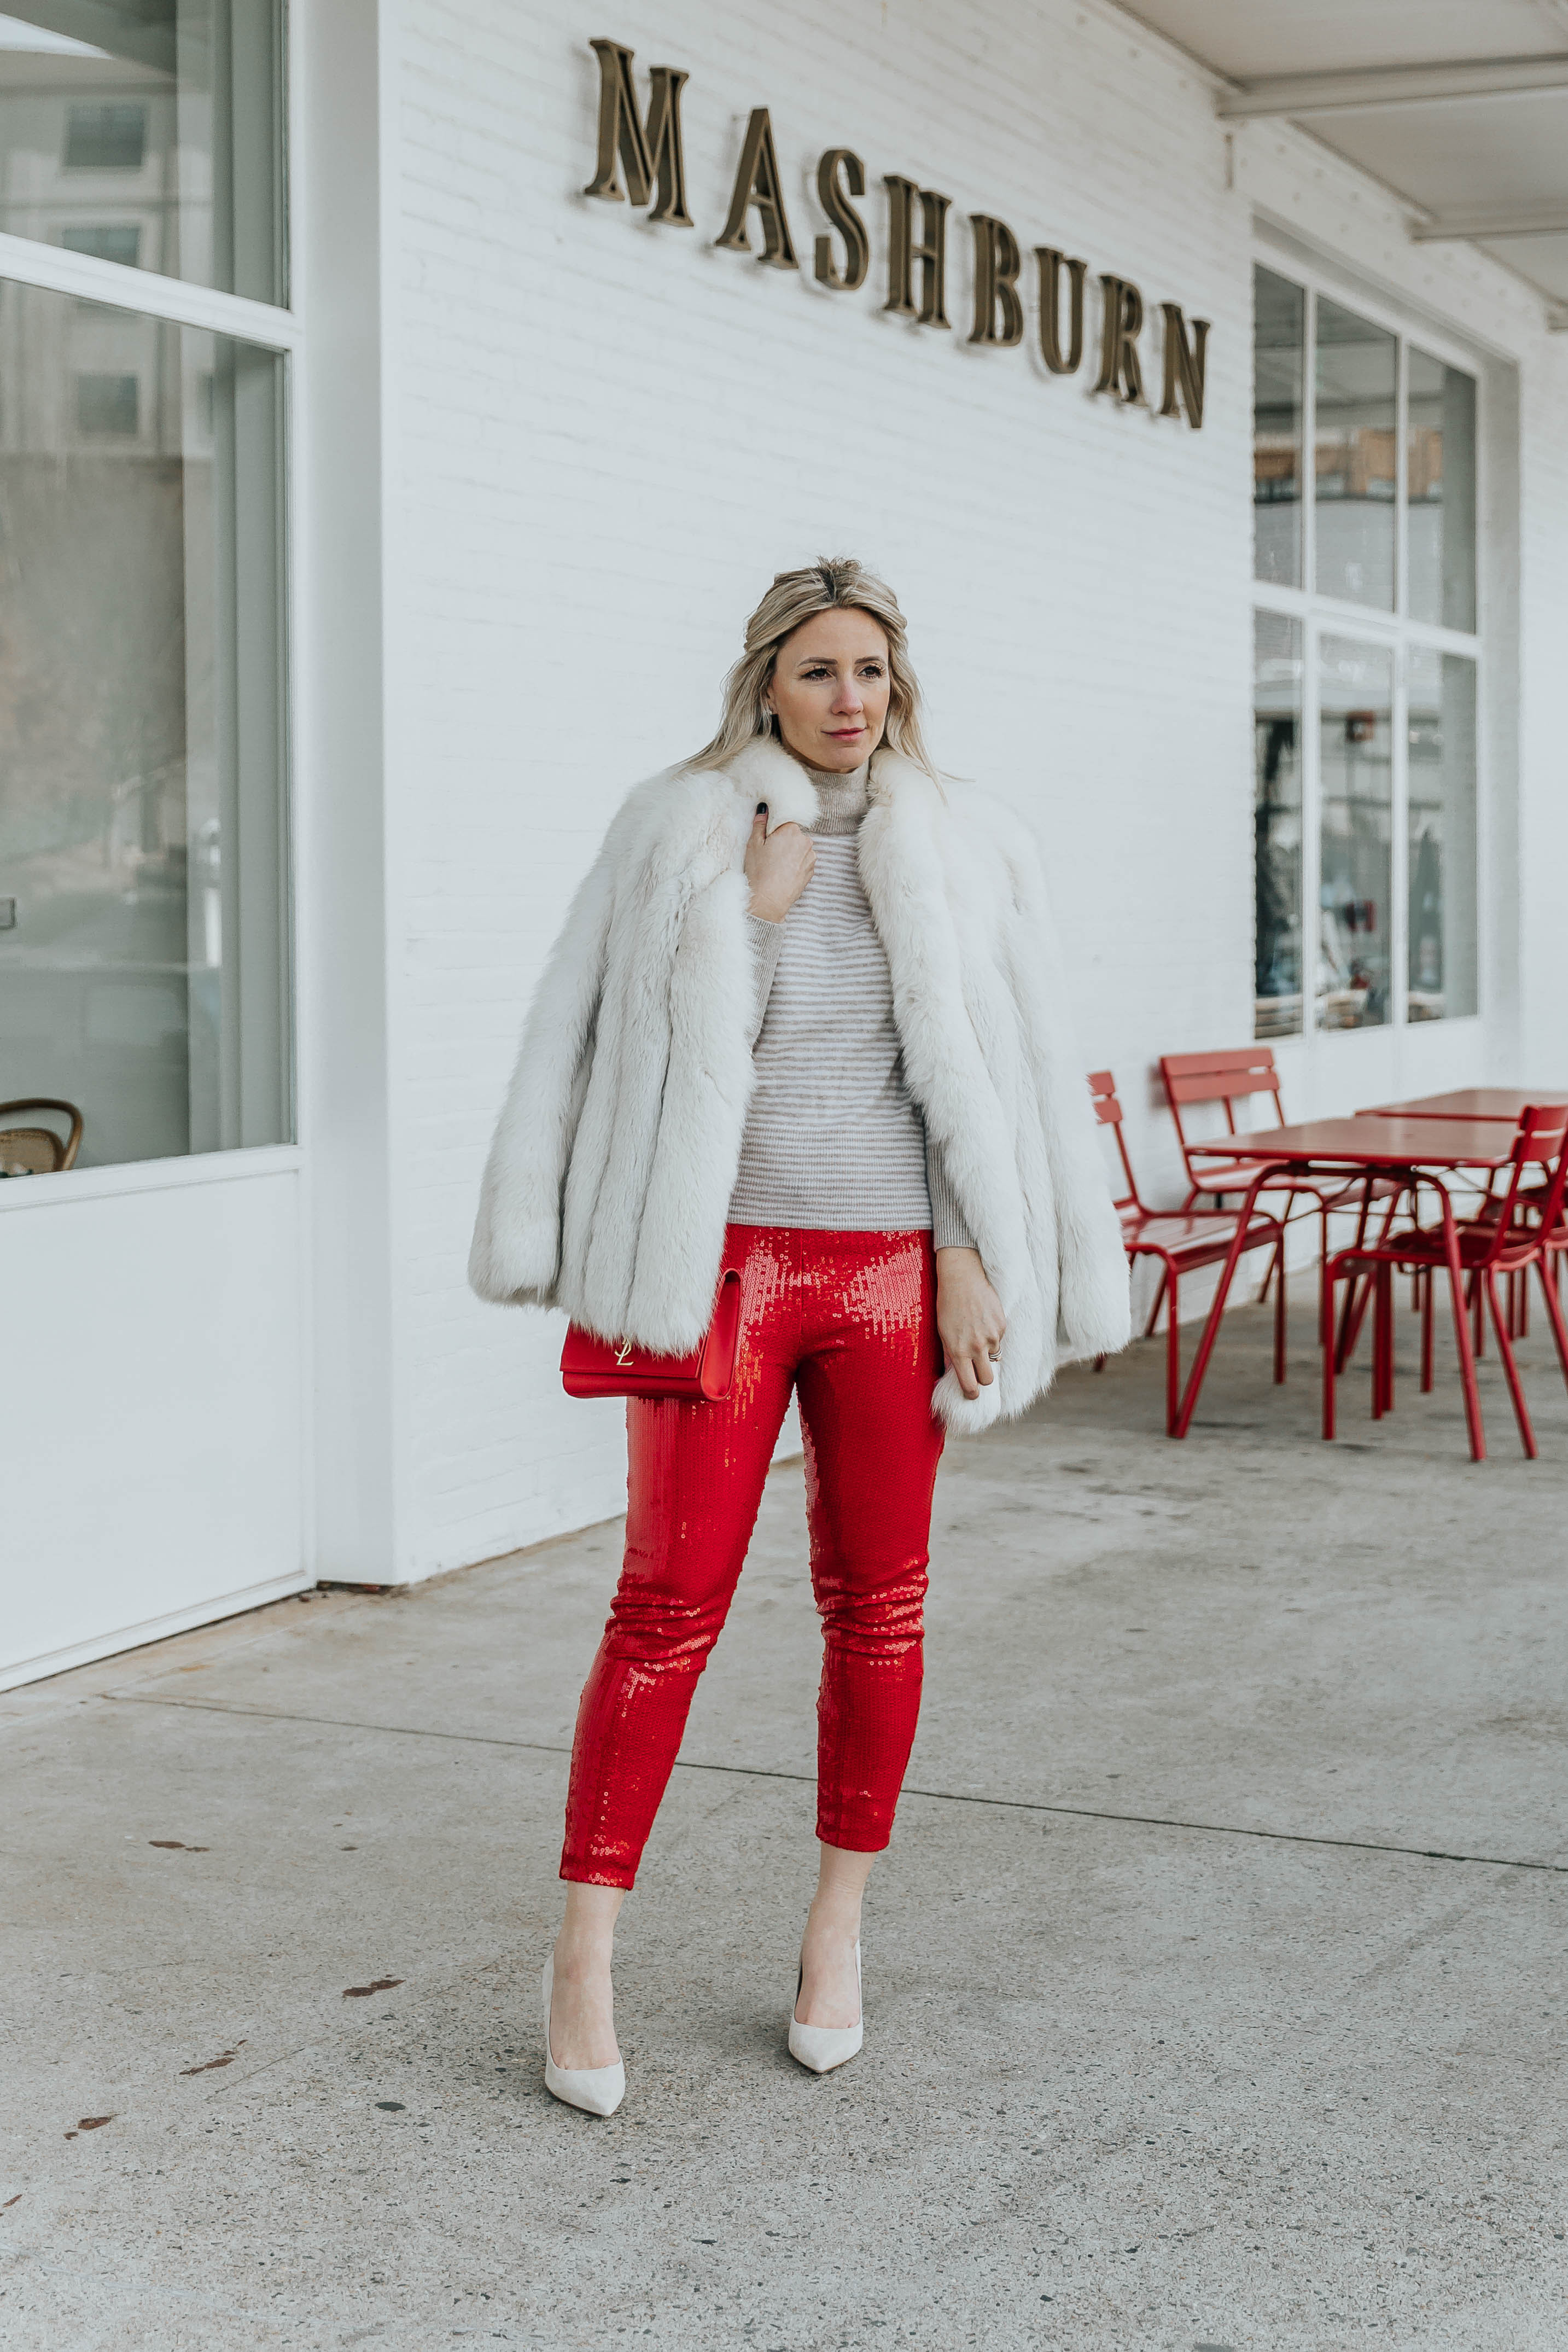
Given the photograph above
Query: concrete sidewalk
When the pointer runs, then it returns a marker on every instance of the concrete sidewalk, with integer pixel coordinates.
(1215, 1980)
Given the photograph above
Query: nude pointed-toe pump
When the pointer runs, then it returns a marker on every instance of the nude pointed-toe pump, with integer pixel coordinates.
(597, 2090)
(823, 2047)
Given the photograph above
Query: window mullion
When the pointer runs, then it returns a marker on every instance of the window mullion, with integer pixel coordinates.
(1311, 860)
(1401, 481)
(1309, 443)
(1399, 857)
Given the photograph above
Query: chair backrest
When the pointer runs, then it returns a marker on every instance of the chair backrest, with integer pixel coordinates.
(1541, 1135)
(1108, 1111)
(1227, 1077)
(37, 1151)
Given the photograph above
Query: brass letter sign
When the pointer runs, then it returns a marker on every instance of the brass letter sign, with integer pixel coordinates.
(904, 250)
(650, 155)
(839, 176)
(1051, 350)
(1184, 363)
(756, 183)
(1122, 317)
(997, 266)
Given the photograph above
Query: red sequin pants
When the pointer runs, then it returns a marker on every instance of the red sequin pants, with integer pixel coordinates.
(848, 1320)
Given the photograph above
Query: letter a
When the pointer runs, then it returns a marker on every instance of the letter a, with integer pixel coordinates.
(756, 182)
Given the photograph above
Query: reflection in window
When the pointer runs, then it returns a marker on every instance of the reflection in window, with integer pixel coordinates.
(1356, 834)
(108, 404)
(1278, 326)
(1442, 835)
(140, 754)
(1440, 491)
(1277, 823)
(1357, 371)
(105, 138)
(117, 241)
(168, 115)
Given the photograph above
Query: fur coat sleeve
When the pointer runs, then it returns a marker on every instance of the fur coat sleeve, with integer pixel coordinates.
(610, 1176)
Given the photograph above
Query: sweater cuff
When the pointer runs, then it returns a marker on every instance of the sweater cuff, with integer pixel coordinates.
(949, 1227)
(767, 940)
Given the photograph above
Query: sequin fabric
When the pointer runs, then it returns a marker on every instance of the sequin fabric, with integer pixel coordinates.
(849, 1322)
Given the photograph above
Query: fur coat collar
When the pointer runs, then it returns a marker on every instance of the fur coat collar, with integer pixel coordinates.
(618, 1145)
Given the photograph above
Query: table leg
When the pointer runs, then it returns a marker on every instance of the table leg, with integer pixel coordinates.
(1462, 1329)
(1211, 1327)
(1424, 1285)
(1510, 1369)
(1547, 1267)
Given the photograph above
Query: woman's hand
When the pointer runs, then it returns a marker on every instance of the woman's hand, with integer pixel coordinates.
(969, 1319)
(778, 866)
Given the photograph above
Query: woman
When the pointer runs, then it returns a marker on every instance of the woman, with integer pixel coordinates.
(803, 1020)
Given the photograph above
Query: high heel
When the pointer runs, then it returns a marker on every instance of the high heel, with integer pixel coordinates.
(823, 2047)
(597, 2090)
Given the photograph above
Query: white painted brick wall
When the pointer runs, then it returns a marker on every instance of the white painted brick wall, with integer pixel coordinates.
(604, 439)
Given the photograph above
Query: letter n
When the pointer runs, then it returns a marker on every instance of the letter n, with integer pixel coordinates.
(1185, 364)
(651, 158)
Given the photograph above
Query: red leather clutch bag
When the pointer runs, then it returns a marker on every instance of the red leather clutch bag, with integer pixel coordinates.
(592, 1367)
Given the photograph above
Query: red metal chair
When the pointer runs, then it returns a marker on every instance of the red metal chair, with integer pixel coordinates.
(1231, 1077)
(1518, 1228)
(1183, 1243)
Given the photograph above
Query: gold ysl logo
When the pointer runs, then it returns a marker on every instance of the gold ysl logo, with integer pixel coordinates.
(623, 1352)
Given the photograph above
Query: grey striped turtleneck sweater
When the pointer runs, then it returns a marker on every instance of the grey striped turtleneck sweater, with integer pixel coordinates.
(834, 1141)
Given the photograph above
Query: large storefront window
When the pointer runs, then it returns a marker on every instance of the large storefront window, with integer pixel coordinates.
(1356, 806)
(144, 967)
(1441, 804)
(1277, 856)
(148, 132)
(1366, 668)
(1277, 410)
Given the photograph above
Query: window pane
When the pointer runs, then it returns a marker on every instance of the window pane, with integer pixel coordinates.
(1442, 979)
(140, 744)
(1354, 457)
(149, 132)
(1279, 328)
(1276, 823)
(1440, 489)
(1357, 776)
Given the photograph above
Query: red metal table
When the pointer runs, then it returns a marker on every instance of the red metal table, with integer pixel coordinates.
(1470, 1102)
(1417, 1149)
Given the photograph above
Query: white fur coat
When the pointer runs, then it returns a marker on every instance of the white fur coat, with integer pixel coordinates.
(618, 1146)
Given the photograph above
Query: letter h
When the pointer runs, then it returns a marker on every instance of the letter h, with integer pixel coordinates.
(903, 253)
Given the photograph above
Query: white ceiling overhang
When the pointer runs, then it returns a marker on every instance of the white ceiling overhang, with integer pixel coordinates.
(1459, 107)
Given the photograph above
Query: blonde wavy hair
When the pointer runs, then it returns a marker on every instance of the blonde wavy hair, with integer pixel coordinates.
(834, 583)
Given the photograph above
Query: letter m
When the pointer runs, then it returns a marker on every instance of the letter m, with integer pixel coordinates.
(650, 155)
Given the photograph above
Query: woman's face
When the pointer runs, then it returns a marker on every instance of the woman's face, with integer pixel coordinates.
(829, 688)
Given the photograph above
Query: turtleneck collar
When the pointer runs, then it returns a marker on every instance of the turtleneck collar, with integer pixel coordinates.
(841, 800)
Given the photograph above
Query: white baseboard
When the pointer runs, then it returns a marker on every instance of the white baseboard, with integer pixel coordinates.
(156, 1629)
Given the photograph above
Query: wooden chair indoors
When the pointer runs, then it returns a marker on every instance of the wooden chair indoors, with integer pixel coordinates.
(37, 1151)
(1184, 1241)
